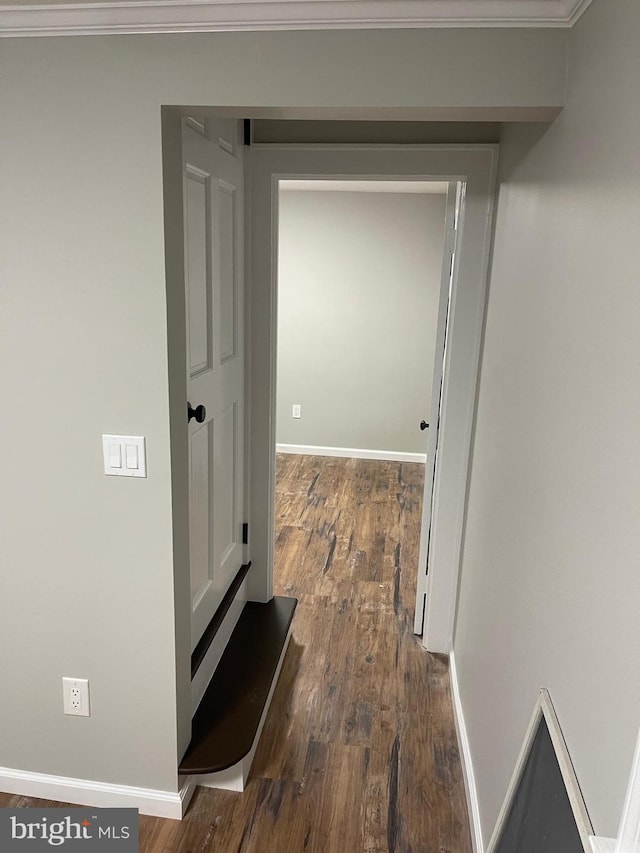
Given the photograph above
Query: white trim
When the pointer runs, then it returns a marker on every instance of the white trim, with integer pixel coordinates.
(460, 378)
(628, 840)
(577, 10)
(544, 708)
(86, 792)
(401, 187)
(454, 192)
(187, 790)
(235, 778)
(471, 791)
(162, 16)
(352, 453)
(602, 845)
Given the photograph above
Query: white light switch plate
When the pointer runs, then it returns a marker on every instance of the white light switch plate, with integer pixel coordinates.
(124, 455)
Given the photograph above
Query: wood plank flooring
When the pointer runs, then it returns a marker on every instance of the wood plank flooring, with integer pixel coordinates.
(359, 753)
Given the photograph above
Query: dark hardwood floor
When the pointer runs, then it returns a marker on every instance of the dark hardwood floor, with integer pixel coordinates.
(359, 752)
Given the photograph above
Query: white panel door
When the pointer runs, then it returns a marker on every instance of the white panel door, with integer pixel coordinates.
(213, 216)
(436, 404)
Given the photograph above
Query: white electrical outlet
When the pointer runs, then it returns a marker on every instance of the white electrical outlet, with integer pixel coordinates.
(296, 410)
(75, 692)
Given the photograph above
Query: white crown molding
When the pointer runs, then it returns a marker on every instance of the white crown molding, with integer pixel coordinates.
(174, 16)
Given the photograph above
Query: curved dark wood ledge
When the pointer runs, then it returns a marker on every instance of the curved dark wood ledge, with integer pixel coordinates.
(226, 722)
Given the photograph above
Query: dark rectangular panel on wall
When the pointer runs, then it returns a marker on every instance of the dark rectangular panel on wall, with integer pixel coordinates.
(296, 131)
(540, 819)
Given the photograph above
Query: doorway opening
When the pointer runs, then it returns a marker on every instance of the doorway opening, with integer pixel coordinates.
(363, 287)
(471, 169)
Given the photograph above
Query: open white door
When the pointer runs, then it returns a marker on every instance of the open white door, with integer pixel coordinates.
(213, 234)
(451, 221)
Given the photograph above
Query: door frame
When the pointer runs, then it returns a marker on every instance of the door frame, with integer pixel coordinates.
(476, 167)
(454, 193)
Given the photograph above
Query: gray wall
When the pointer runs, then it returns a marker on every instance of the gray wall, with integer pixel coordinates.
(550, 585)
(358, 287)
(93, 577)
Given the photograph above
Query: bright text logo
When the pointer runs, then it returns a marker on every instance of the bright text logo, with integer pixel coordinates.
(27, 830)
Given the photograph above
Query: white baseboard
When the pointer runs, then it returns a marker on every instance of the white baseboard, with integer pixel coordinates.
(465, 757)
(602, 845)
(352, 453)
(86, 792)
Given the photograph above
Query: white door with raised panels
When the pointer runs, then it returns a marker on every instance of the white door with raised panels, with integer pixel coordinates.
(213, 216)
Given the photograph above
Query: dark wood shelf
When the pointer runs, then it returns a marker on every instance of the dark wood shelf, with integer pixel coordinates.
(227, 720)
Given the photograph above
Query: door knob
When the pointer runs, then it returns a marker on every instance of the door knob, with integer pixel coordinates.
(199, 413)
(424, 425)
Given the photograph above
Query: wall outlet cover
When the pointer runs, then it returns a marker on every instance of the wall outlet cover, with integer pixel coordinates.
(75, 694)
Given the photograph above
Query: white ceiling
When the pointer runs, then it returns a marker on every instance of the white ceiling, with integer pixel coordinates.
(67, 17)
(423, 187)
